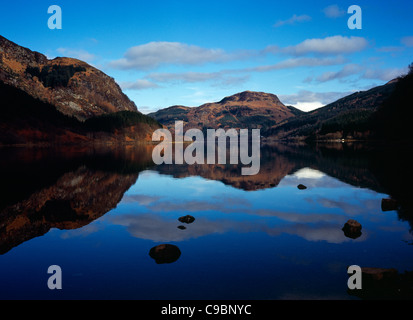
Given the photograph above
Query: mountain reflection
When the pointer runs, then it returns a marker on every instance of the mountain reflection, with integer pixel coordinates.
(65, 188)
(68, 188)
(381, 168)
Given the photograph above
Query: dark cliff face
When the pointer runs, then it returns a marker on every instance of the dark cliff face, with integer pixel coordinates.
(74, 87)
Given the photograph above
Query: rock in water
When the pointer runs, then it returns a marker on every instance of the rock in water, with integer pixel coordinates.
(301, 187)
(165, 253)
(187, 219)
(352, 229)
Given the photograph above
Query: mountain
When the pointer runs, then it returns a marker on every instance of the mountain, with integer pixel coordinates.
(66, 101)
(346, 118)
(63, 101)
(378, 113)
(247, 109)
(74, 87)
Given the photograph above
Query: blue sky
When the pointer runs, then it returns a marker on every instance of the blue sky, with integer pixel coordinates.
(165, 53)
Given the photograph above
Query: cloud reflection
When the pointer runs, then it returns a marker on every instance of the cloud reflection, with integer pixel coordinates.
(159, 228)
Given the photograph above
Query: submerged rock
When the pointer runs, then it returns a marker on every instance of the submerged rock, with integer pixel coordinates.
(165, 253)
(301, 187)
(389, 204)
(182, 227)
(187, 219)
(352, 229)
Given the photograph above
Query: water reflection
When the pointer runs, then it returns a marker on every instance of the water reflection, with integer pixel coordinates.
(70, 189)
(64, 189)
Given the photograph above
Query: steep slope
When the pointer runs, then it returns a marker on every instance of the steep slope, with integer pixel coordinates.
(347, 117)
(63, 101)
(247, 109)
(74, 87)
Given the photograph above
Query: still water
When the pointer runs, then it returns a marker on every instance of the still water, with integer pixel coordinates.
(104, 217)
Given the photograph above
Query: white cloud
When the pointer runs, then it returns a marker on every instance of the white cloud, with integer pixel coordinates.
(384, 74)
(346, 71)
(294, 19)
(218, 78)
(362, 72)
(229, 77)
(154, 54)
(77, 53)
(310, 96)
(328, 46)
(308, 173)
(307, 100)
(308, 106)
(334, 11)
(184, 76)
(298, 62)
(139, 84)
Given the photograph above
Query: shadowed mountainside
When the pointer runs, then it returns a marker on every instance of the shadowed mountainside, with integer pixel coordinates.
(346, 118)
(28, 121)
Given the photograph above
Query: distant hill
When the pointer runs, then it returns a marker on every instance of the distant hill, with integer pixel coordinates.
(247, 109)
(355, 116)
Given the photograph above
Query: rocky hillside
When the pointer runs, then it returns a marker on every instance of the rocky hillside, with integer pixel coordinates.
(247, 109)
(74, 87)
(63, 101)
